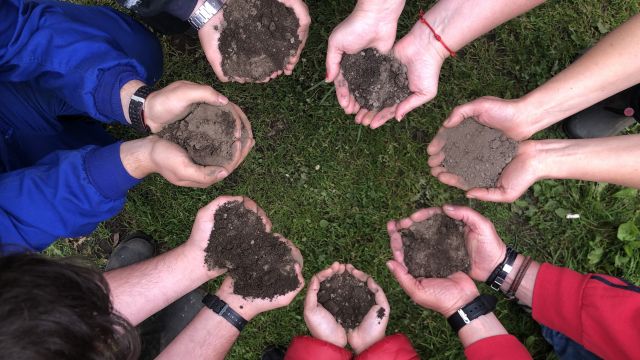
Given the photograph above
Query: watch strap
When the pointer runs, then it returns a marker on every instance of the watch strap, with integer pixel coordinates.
(136, 109)
(204, 13)
(481, 305)
(501, 271)
(223, 309)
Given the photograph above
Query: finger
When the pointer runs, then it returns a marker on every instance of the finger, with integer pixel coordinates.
(492, 194)
(379, 295)
(361, 115)
(203, 223)
(334, 57)
(368, 118)
(383, 116)
(411, 103)
(424, 214)
(342, 92)
(295, 252)
(404, 223)
(250, 204)
(405, 280)
(265, 220)
(437, 144)
(353, 106)
(435, 160)
(471, 218)
(328, 272)
(298, 268)
(460, 113)
(396, 245)
(357, 273)
(311, 300)
(341, 268)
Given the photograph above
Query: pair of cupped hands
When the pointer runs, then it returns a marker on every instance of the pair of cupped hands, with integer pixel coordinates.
(444, 295)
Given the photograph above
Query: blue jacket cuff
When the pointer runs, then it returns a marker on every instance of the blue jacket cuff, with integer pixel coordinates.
(107, 173)
(107, 95)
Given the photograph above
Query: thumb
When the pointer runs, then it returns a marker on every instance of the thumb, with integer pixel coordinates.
(492, 194)
(411, 103)
(334, 56)
(473, 219)
(406, 281)
(196, 93)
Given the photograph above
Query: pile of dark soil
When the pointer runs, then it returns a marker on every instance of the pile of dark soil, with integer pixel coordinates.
(477, 153)
(258, 38)
(207, 134)
(261, 265)
(347, 299)
(377, 81)
(435, 247)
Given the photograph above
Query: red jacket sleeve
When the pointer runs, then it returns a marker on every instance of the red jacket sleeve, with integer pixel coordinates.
(306, 347)
(394, 347)
(600, 312)
(497, 347)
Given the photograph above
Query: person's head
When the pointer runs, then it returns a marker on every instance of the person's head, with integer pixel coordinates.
(57, 309)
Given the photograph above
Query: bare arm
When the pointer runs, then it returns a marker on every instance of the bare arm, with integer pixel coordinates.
(608, 68)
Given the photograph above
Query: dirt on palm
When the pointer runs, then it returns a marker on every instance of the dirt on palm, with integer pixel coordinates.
(260, 264)
(477, 153)
(207, 134)
(435, 248)
(258, 38)
(377, 81)
(346, 298)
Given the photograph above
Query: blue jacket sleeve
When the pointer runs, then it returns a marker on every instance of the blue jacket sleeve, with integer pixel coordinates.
(39, 43)
(66, 194)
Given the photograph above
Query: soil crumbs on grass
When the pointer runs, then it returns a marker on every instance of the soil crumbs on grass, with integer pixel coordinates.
(435, 247)
(377, 81)
(207, 134)
(258, 38)
(477, 153)
(346, 298)
(261, 265)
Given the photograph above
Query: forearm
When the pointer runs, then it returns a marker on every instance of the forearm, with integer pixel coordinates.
(613, 160)
(140, 290)
(608, 68)
(391, 8)
(461, 21)
(208, 336)
(481, 328)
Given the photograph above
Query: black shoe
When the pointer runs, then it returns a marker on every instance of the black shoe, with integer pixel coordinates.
(606, 118)
(273, 352)
(135, 248)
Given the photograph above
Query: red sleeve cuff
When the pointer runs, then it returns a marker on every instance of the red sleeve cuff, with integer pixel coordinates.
(396, 347)
(497, 347)
(306, 347)
(557, 299)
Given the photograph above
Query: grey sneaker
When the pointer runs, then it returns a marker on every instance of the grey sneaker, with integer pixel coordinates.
(133, 249)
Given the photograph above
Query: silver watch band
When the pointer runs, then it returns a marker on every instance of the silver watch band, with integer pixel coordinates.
(205, 13)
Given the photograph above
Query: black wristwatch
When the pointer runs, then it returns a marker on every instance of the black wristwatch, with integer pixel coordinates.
(481, 305)
(501, 271)
(223, 309)
(136, 109)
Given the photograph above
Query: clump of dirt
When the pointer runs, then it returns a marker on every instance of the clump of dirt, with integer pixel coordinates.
(477, 153)
(346, 298)
(434, 248)
(377, 81)
(207, 134)
(258, 38)
(260, 264)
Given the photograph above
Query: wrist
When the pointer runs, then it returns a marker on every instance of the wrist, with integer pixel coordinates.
(242, 309)
(483, 327)
(511, 276)
(125, 96)
(136, 156)
(386, 11)
(364, 346)
(460, 302)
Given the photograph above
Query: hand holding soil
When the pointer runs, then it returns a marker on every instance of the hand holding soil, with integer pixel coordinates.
(429, 244)
(342, 297)
(470, 155)
(256, 40)
(263, 267)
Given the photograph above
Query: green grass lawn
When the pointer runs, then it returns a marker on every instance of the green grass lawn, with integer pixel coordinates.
(330, 185)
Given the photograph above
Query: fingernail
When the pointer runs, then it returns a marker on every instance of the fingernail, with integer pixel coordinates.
(399, 118)
(470, 196)
(390, 265)
(448, 207)
(223, 99)
(223, 173)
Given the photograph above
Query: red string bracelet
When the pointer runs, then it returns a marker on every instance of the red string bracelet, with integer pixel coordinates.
(435, 34)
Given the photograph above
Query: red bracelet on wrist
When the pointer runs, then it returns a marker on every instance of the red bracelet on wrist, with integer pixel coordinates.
(435, 34)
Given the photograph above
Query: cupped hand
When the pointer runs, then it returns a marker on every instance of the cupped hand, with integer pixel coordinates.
(209, 36)
(521, 172)
(370, 25)
(175, 101)
(249, 308)
(486, 249)
(204, 225)
(423, 60)
(445, 295)
(508, 116)
(372, 328)
(322, 325)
